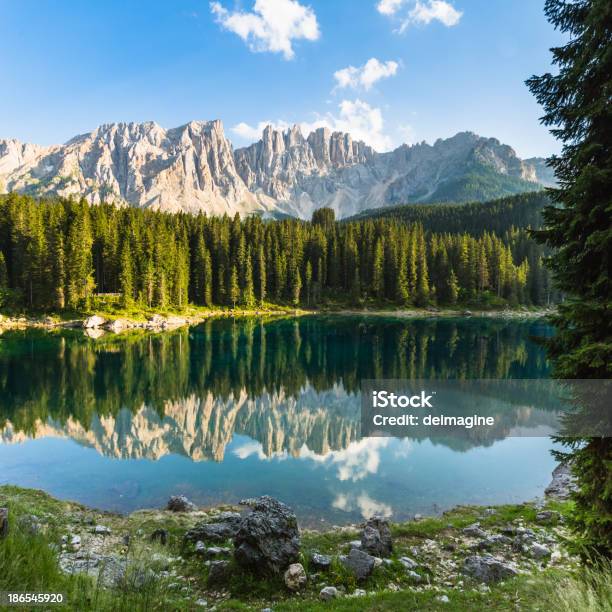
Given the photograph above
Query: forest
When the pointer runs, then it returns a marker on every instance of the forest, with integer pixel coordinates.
(62, 254)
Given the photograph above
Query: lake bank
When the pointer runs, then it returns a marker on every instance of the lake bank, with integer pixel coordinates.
(160, 321)
(180, 557)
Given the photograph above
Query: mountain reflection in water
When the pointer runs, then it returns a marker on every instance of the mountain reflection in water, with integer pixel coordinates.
(260, 393)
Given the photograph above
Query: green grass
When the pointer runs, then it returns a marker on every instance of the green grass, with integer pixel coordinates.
(28, 562)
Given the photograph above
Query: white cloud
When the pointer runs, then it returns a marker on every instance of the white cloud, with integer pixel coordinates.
(358, 118)
(364, 503)
(434, 9)
(420, 12)
(365, 76)
(273, 25)
(358, 460)
(389, 7)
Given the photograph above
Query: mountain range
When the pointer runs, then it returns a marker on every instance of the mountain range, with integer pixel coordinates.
(194, 168)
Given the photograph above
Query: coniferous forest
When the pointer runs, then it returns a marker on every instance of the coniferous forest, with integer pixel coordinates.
(60, 254)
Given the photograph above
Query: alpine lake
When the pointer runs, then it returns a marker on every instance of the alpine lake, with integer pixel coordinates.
(237, 408)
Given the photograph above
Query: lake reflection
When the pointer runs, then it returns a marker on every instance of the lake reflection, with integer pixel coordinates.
(235, 408)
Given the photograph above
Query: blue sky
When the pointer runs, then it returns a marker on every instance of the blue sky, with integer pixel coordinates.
(435, 67)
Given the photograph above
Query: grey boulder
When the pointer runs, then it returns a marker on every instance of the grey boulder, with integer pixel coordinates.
(267, 540)
(487, 568)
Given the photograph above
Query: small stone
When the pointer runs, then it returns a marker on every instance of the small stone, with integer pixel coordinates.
(4, 522)
(328, 592)
(295, 577)
(539, 551)
(126, 539)
(75, 541)
(200, 548)
(547, 517)
(443, 599)
(408, 563)
(359, 563)
(475, 531)
(320, 562)
(416, 577)
(160, 535)
(377, 561)
(102, 530)
(201, 602)
(418, 517)
(179, 503)
(355, 544)
(218, 572)
(358, 593)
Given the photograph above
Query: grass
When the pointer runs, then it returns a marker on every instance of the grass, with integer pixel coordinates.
(29, 562)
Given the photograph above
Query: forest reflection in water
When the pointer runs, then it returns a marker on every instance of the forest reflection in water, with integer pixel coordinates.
(248, 390)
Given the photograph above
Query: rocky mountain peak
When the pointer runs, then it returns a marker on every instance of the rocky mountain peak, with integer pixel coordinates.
(194, 168)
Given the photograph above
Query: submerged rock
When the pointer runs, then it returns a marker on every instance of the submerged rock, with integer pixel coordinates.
(267, 539)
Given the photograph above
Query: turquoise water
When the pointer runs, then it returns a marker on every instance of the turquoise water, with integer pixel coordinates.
(236, 408)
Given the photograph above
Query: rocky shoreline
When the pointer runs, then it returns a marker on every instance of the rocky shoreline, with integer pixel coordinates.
(205, 557)
(97, 325)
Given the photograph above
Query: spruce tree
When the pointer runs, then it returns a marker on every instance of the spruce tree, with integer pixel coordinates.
(576, 102)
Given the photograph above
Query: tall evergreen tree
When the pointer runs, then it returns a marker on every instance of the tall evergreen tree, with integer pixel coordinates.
(577, 104)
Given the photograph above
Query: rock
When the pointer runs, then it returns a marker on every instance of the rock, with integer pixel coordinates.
(539, 551)
(408, 563)
(109, 570)
(376, 537)
(443, 599)
(295, 577)
(160, 535)
(268, 538)
(548, 517)
(358, 593)
(101, 530)
(218, 572)
(320, 562)
(355, 544)
(418, 517)
(467, 313)
(125, 540)
(416, 577)
(328, 592)
(93, 321)
(562, 484)
(487, 568)
(202, 603)
(117, 325)
(179, 503)
(359, 563)
(156, 321)
(200, 548)
(75, 542)
(474, 531)
(212, 532)
(498, 538)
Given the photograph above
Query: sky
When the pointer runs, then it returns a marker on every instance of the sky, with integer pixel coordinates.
(387, 71)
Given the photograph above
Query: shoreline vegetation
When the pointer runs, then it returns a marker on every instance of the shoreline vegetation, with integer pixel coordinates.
(117, 321)
(181, 557)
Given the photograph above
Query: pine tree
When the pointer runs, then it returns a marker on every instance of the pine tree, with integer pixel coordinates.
(126, 276)
(577, 104)
(378, 270)
(234, 287)
(3, 272)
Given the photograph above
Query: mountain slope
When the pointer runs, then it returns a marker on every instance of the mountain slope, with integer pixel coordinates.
(194, 168)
